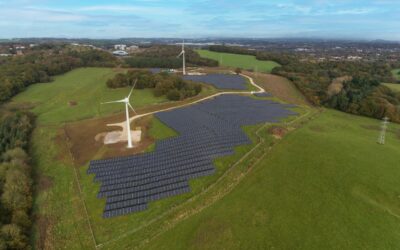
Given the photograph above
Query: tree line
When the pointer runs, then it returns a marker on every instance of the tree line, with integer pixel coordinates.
(172, 86)
(362, 94)
(165, 56)
(18, 72)
(15, 181)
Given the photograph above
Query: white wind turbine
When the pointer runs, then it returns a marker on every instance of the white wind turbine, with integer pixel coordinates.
(128, 125)
(183, 57)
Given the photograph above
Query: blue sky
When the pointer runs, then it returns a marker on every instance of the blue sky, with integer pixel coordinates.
(342, 19)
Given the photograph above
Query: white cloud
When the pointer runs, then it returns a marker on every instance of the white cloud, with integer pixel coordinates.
(132, 9)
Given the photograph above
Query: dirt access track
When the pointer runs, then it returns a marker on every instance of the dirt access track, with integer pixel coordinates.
(81, 135)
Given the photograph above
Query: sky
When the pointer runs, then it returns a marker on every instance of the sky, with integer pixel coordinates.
(339, 19)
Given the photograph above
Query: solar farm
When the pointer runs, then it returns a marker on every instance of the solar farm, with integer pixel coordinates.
(220, 81)
(207, 130)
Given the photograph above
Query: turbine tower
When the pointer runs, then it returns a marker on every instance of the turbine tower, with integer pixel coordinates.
(381, 139)
(128, 123)
(183, 58)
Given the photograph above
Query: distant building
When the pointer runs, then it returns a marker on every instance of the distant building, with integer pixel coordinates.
(120, 47)
(120, 53)
(354, 58)
(5, 54)
(132, 48)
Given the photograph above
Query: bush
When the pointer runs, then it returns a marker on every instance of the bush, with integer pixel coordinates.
(173, 95)
(161, 83)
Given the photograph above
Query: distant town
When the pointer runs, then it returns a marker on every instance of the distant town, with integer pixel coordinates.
(307, 49)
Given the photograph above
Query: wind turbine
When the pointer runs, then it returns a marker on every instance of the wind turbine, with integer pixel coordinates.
(128, 124)
(183, 57)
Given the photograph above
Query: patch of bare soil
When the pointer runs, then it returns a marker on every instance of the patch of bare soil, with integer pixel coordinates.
(72, 103)
(278, 86)
(81, 137)
(277, 132)
(45, 227)
(44, 182)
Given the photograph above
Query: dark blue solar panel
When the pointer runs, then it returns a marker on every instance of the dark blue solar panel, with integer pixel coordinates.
(220, 81)
(207, 130)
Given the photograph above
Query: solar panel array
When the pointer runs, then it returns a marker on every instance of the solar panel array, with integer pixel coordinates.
(220, 81)
(207, 130)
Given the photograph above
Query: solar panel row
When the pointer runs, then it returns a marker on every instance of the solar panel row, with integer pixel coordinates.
(220, 81)
(206, 130)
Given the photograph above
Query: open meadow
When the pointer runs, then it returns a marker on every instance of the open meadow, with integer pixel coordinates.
(241, 61)
(327, 185)
(396, 74)
(77, 95)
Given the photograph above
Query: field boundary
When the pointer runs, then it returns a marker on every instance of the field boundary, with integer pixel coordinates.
(79, 188)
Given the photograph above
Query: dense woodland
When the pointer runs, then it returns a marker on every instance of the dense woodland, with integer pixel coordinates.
(172, 86)
(361, 94)
(165, 56)
(18, 72)
(15, 181)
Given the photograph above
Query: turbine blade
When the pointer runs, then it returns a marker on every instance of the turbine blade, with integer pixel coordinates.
(130, 93)
(113, 101)
(132, 108)
(180, 54)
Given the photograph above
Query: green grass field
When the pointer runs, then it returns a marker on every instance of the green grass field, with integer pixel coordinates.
(327, 185)
(85, 86)
(241, 61)
(393, 86)
(396, 74)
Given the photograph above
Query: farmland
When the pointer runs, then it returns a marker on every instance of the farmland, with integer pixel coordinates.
(316, 189)
(241, 61)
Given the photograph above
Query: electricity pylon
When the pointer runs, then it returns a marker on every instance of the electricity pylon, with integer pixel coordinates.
(381, 139)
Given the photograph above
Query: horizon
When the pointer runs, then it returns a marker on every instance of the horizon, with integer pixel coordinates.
(201, 19)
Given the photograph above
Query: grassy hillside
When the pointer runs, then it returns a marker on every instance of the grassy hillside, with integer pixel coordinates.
(66, 209)
(393, 86)
(396, 75)
(328, 185)
(86, 87)
(241, 61)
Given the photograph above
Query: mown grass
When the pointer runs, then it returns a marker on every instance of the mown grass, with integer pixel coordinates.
(327, 185)
(85, 86)
(241, 61)
(393, 86)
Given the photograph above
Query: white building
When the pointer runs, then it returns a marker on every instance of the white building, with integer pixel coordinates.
(120, 47)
